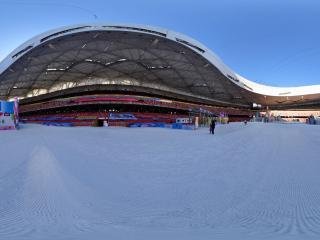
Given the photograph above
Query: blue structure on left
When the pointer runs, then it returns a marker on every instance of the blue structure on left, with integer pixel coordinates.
(9, 117)
(7, 107)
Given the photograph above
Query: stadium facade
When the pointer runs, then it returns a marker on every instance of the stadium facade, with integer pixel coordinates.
(138, 73)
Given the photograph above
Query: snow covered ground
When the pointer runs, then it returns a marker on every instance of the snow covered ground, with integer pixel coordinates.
(260, 181)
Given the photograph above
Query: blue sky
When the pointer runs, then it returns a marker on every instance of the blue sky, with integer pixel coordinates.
(275, 42)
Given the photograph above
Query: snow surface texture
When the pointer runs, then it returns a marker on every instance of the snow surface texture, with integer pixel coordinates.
(259, 181)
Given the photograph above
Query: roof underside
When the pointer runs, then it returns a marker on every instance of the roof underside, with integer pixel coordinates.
(115, 57)
(125, 58)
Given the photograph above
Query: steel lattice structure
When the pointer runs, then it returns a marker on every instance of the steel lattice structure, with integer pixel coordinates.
(135, 58)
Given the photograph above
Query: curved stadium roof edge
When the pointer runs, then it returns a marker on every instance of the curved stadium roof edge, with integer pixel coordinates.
(160, 32)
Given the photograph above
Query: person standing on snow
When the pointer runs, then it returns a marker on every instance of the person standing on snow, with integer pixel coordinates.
(212, 126)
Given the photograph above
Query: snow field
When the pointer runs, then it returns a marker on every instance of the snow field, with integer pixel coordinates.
(259, 181)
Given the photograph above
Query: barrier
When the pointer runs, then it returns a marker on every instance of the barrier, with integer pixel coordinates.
(183, 126)
(59, 124)
(164, 125)
(142, 124)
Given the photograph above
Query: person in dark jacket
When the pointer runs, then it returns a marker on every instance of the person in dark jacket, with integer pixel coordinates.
(212, 126)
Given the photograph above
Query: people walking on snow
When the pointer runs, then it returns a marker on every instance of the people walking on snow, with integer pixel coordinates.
(212, 126)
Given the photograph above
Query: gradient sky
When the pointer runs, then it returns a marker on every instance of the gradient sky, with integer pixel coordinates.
(274, 42)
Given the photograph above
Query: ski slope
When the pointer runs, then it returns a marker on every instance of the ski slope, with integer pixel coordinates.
(259, 181)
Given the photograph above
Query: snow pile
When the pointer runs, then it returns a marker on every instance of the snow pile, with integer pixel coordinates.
(259, 181)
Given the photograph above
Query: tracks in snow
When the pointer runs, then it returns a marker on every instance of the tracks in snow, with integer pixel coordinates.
(259, 180)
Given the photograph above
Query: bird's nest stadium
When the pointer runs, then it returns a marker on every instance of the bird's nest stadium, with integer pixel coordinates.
(138, 73)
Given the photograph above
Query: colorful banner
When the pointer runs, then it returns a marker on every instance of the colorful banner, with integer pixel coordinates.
(8, 115)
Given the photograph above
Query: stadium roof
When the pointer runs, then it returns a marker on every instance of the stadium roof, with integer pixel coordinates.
(135, 58)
